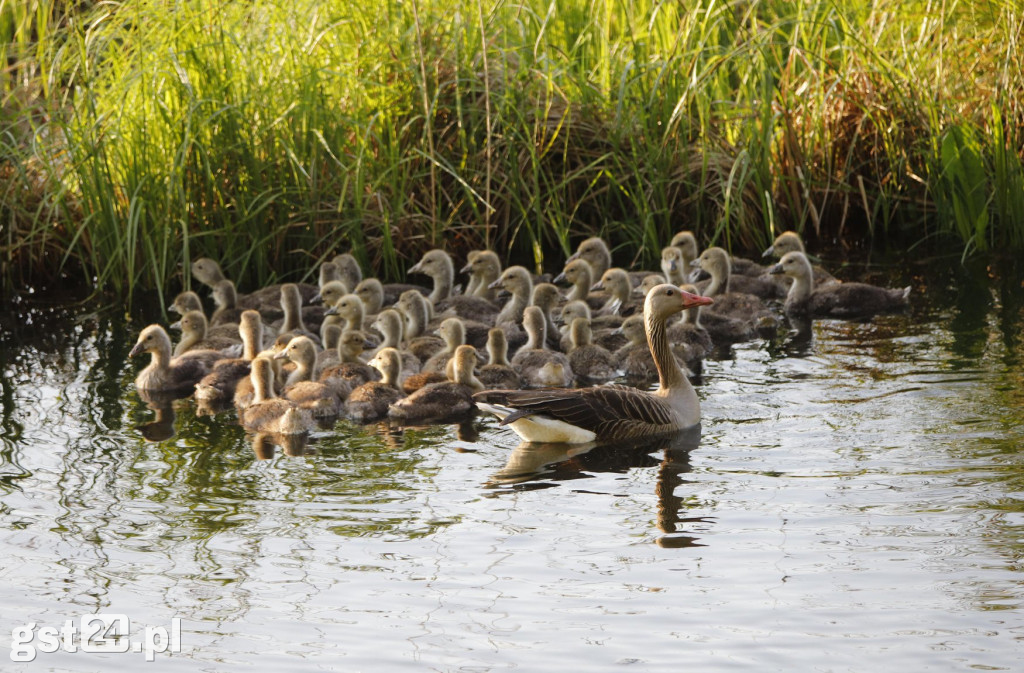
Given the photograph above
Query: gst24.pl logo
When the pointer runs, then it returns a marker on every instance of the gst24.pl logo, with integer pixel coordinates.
(93, 633)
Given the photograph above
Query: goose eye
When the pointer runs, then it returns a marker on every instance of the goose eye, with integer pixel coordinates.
(669, 293)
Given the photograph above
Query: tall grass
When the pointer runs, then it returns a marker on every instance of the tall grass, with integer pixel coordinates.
(139, 135)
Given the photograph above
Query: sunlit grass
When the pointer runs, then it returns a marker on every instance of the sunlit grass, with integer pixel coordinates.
(138, 135)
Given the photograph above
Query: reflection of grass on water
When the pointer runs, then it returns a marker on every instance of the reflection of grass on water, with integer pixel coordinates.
(271, 134)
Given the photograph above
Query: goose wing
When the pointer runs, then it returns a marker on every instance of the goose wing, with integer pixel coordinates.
(608, 411)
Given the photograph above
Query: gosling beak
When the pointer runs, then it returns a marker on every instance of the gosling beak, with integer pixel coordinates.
(136, 349)
(175, 325)
(174, 308)
(776, 270)
(317, 299)
(769, 252)
(367, 344)
(331, 311)
(694, 276)
(496, 285)
(673, 266)
(690, 300)
(415, 268)
(281, 356)
(467, 269)
(597, 287)
(559, 279)
(575, 255)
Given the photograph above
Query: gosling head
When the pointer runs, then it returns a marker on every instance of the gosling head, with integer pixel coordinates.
(388, 362)
(299, 350)
(687, 244)
(545, 296)
(483, 264)
(207, 271)
(192, 323)
(794, 264)
(371, 292)
(515, 280)
(786, 242)
(434, 263)
(185, 302)
(595, 251)
(152, 339)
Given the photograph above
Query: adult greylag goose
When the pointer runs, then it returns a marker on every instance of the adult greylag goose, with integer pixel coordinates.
(842, 300)
(580, 276)
(498, 372)
(194, 337)
(321, 399)
(537, 365)
(732, 303)
(446, 400)
(790, 241)
(269, 413)
(438, 265)
(165, 372)
(350, 368)
(610, 412)
(590, 363)
(370, 401)
(483, 267)
(220, 384)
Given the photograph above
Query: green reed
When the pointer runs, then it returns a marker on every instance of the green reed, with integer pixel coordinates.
(137, 136)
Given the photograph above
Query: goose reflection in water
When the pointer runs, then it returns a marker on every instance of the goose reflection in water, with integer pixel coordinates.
(534, 465)
(264, 445)
(161, 402)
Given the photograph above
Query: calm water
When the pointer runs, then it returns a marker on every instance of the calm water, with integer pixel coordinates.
(854, 503)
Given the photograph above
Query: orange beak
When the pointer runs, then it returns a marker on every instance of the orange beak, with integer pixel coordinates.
(690, 300)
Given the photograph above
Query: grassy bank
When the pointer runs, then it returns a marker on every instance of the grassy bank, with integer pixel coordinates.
(137, 135)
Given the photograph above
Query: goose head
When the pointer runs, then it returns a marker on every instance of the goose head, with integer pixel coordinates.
(687, 244)
(330, 335)
(371, 292)
(413, 306)
(349, 270)
(666, 300)
(497, 346)
(207, 271)
(716, 262)
(352, 344)
(453, 332)
(795, 265)
(301, 351)
(185, 302)
(672, 265)
(193, 326)
(225, 296)
(515, 280)
(349, 308)
(616, 282)
(330, 293)
(580, 333)
(649, 283)
(483, 265)
(262, 375)
(535, 327)
(574, 309)
(250, 329)
(579, 274)
(391, 325)
(545, 296)
(595, 251)
(329, 271)
(388, 362)
(153, 339)
(633, 329)
(786, 242)
(464, 362)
